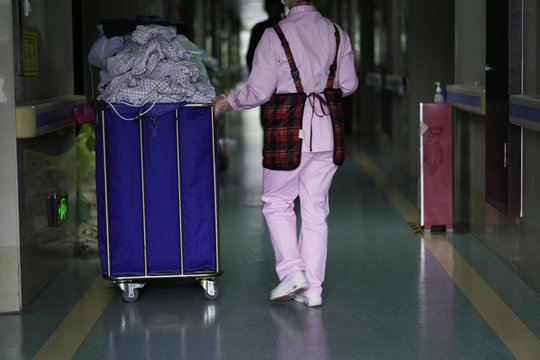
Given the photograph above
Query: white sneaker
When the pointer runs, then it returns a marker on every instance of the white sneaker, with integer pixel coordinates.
(293, 283)
(308, 299)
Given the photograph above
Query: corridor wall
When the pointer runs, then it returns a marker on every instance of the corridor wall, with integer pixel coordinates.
(10, 287)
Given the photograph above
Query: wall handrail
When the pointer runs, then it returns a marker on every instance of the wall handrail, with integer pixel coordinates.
(467, 97)
(395, 83)
(525, 111)
(40, 117)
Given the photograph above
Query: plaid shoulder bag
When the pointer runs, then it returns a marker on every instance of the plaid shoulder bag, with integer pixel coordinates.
(282, 121)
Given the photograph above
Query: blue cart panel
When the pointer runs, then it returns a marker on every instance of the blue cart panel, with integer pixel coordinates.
(156, 180)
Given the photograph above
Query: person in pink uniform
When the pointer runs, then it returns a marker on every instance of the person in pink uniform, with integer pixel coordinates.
(300, 260)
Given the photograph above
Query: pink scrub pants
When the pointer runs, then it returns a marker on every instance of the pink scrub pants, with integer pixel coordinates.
(307, 252)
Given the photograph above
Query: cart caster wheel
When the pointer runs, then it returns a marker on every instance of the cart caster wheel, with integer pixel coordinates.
(213, 296)
(129, 298)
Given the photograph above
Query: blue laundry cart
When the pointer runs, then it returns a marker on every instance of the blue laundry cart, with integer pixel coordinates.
(157, 191)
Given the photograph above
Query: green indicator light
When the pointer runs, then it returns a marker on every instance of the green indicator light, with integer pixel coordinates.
(62, 209)
(57, 208)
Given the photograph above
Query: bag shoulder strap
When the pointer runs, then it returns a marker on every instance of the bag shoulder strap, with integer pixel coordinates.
(333, 67)
(294, 70)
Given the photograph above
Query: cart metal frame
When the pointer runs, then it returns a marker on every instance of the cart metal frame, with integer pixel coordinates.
(130, 285)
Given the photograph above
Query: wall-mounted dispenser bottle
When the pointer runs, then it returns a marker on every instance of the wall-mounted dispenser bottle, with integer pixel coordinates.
(438, 98)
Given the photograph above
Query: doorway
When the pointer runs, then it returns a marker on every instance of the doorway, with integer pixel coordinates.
(497, 106)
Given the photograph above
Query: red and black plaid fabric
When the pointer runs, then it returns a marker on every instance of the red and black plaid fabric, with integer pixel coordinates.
(334, 101)
(282, 121)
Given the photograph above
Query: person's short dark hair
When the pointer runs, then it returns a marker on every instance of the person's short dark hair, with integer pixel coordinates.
(267, 3)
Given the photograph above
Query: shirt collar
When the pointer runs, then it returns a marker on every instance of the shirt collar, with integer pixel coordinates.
(301, 9)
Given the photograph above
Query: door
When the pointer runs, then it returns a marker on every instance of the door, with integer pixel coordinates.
(497, 94)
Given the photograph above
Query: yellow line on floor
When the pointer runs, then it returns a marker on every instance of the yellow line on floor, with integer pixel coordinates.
(519, 339)
(70, 334)
(514, 334)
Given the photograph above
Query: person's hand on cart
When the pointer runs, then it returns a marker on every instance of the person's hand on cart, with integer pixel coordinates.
(221, 105)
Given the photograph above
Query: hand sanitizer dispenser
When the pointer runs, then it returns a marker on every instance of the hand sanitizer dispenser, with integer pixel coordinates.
(439, 98)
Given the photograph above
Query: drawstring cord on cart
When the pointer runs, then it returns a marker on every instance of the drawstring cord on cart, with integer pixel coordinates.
(324, 107)
(138, 115)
